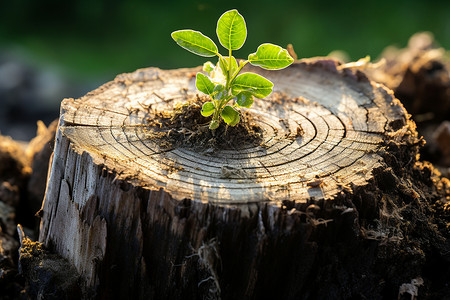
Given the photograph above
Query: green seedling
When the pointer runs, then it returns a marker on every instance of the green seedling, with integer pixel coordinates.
(230, 91)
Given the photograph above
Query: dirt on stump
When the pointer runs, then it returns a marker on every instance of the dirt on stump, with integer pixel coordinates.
(186, 127)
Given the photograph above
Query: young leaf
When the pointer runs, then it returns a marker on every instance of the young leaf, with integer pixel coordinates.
(208, 67)
(244, 99)
(207, 109)
(195, 42)
(224, 63)
(272, 57)
(230, 115)
(219, 92)
(214, 124)
(217, 75)
(257, 85)
(231, 30)
(204, 84)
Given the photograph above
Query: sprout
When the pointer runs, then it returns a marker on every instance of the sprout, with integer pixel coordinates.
(230, 91)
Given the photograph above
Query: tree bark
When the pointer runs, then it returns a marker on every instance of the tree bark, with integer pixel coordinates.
(140, 220)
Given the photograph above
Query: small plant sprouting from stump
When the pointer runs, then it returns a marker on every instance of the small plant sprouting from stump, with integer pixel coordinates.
(223, 84)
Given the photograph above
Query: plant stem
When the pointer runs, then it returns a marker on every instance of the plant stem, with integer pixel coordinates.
(224, 102)
(241, 65)
(229, 69)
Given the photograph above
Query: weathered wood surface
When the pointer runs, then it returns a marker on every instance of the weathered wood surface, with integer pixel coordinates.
(139, 219)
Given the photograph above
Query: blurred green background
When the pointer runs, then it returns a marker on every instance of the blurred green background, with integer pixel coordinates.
(105, 37)
(87, 42)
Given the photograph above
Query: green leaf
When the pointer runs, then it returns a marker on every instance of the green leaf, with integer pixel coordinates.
(272, 57)
(207, 109)
(214, 124)
(257, 85)
(195, 42)
(219, 92)
(224, 62)
(244, 99)
(208, 67)
(230, 115)
(204, 84)
(231, 30)
(217, 76)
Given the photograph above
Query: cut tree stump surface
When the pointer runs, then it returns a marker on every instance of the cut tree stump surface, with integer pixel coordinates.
(344, 122)
(129, 212)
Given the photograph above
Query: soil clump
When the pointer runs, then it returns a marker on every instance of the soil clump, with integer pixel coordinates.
(184, 126)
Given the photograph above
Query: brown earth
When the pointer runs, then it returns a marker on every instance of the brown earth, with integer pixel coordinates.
(186, 127)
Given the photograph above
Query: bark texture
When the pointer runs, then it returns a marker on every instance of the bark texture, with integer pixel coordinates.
(139, 219)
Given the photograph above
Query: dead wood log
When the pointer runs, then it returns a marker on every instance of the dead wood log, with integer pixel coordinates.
(141, 219)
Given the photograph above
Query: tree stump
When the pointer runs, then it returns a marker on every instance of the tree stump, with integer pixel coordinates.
(141, 220)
